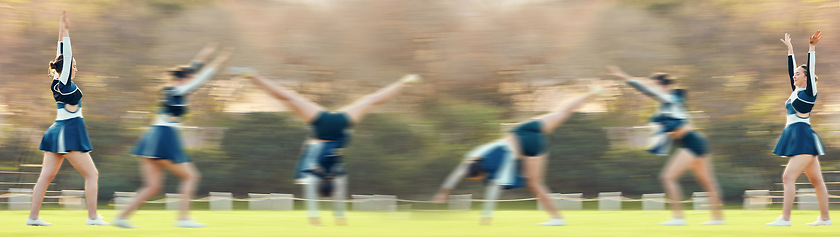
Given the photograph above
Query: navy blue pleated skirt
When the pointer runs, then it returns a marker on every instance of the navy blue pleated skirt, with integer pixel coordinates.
(799, 139)
(65, 136)
(161, 142)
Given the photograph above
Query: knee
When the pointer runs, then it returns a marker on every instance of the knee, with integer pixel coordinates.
(92, 175)
(154, 188)
(788, 179)
(193, 176)
(816, 180)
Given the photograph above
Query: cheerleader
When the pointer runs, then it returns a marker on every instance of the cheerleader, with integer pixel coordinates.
(692, 147)
(517, 159)
(798, 141)
(320, 168)
(160, 147)
(67, 137)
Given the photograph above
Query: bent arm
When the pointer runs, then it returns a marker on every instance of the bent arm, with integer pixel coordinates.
(650, 91)
(203, 76)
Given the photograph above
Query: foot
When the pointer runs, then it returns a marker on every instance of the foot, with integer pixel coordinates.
(123, 223)
(188, 224)
(779, 222)
(97, 221)
(674, 222)
(820, 222)
(554, 222)
(411, 78)
(341, 221)
(37, 222)
(714, 222)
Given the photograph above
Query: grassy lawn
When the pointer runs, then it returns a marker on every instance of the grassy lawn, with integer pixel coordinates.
(159, 223)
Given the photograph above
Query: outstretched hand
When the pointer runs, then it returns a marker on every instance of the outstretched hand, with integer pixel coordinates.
(440, 198)
(65, 23)
(786, 40)
(617, 72)
(815, 38)
(411, 78)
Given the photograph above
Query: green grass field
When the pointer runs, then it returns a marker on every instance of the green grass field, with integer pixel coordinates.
(159, 223)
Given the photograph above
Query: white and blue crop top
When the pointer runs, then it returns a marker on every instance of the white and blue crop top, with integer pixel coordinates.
(672, 105)
(63, 89)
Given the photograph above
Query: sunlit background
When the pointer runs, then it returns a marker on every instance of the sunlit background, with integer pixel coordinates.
(485, 64)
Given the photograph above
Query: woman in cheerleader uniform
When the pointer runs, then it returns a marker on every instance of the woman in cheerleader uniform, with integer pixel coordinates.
(320, 168)
(67, 137)
(160, 147)
(517, 159)
(798, 141)
(691, 152)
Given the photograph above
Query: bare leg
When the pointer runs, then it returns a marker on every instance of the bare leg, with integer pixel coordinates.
(152, 185)
(339, 196)
(670, 176)
(535, 171)
(551, 120)
(814, 174)
(795, 166)
(359, 108)
(302, 107)
(705, 175)
(52, 162)
(311, 195)
(84, 164)
(189, 176)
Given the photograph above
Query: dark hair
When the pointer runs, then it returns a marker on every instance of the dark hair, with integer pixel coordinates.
(325, 186)
(662, 78)
(475, 170)
(58, 63)
(181, 72)
(808, 72)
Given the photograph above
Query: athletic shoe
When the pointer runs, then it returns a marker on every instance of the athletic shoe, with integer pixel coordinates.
(123, 223)
(674, 222)
(188, 224)
(97, 221)
(714, 222)
(37, 222)
(554, 222)
(820, 222)
(779, 222)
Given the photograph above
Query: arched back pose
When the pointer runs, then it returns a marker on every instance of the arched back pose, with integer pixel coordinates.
(798, 141)
(67, 137)
(692, 152)
(160, 147)
(518, 158)
(321, 166)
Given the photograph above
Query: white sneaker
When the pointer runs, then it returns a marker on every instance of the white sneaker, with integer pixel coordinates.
(97, 221)
(714, 222)
(37, 222)
(674, 222)
(820, 222)
(779, 222)
(554, 222)
(123, 223)
(188, 224)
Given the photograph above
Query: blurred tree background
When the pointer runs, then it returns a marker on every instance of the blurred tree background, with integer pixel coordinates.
(486, 64)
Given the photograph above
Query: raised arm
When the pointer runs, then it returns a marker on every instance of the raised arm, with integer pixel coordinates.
(204, 75)
(811, 87)
(66, 49)
(791, 59)
(641, 84)
(198, 61)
